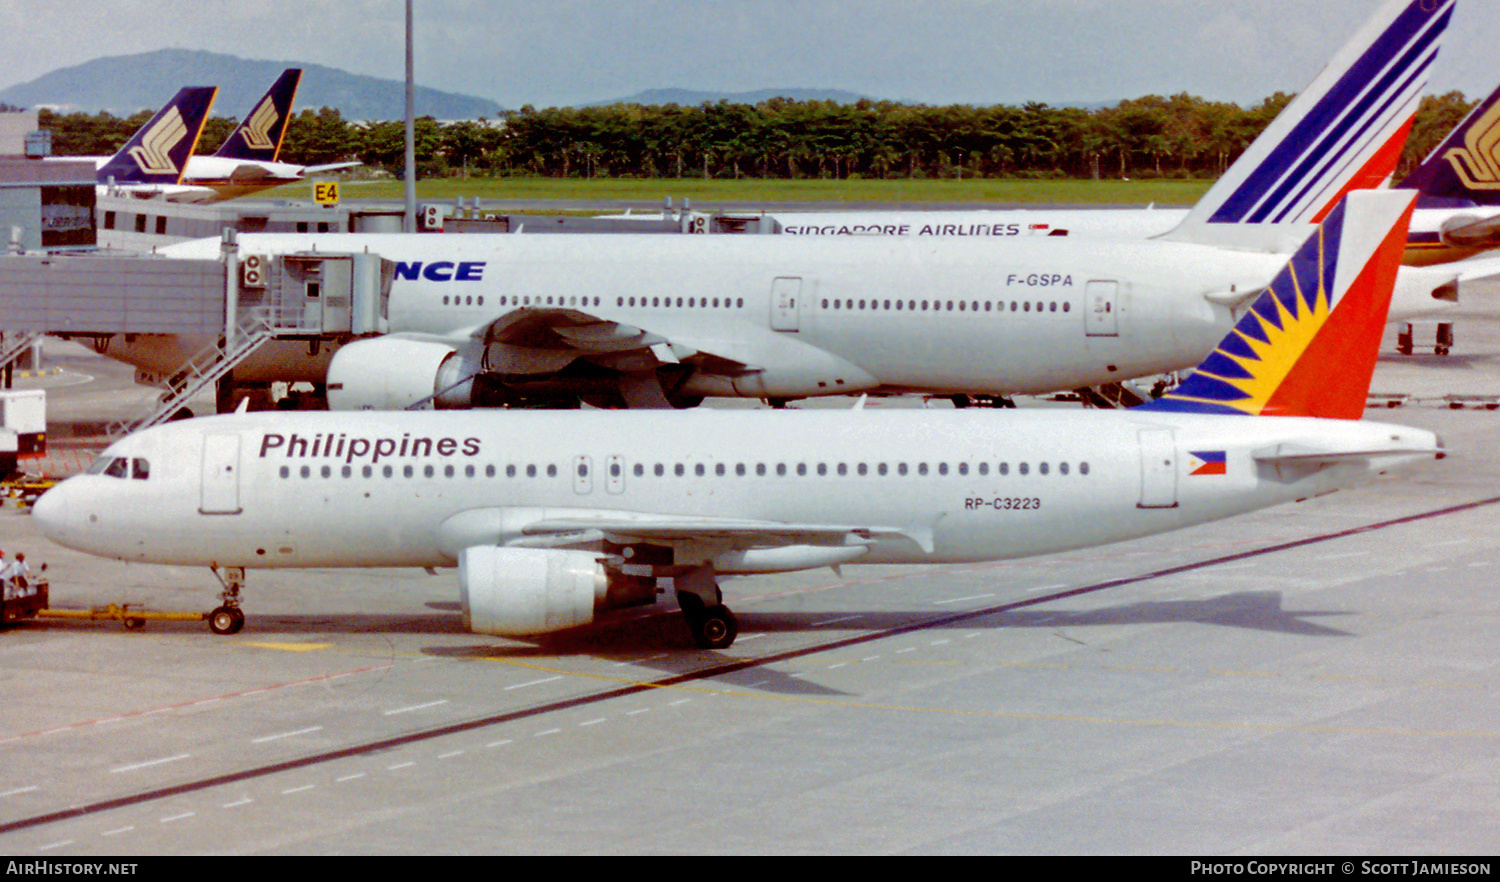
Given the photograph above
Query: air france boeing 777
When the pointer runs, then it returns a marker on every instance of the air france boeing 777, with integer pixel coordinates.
(652, 321)
(552, 517)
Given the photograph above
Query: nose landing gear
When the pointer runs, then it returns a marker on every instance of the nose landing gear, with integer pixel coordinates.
(228, 618)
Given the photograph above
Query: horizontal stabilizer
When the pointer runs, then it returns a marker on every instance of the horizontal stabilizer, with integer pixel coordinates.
(1470, 232)
(329, 167)
(1295, 454)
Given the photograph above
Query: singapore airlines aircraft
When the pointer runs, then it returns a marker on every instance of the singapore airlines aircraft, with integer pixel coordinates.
(1458, 187)
(554, 517)
(245, 163)
(248, 160)
(666, 320)
(153, 160)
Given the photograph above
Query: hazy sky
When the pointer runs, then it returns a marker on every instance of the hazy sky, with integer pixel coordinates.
(552, 52)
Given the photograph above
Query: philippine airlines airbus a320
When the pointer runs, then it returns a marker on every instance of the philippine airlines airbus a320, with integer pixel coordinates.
(554, 517)
(477, 320)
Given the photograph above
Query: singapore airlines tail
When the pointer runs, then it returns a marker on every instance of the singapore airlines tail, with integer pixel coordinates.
(1464, 170)
(261, 132)
(1343, 132)
(159, 151)
(1307, 345)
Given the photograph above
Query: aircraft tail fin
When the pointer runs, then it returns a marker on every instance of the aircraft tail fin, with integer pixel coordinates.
(158, 152)
(259, 135)
(1307, 345)
(1464, 170)
(1345, 131)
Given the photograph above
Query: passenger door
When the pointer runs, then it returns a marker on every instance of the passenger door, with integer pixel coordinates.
(1102, 308)
(786, 296)
(1158, 469)
(220, 492)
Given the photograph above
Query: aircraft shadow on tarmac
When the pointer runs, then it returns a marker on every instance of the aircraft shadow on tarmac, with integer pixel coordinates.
(660, 629)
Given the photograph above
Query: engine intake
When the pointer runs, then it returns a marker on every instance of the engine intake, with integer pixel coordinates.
(513, 592)
(392, 373)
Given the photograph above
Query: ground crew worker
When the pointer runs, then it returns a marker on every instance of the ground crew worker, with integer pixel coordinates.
(17, 577)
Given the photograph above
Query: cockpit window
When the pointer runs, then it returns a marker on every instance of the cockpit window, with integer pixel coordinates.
(114, 467)
(120, 467)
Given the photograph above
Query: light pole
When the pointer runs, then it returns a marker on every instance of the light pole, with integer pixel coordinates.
(410, 222)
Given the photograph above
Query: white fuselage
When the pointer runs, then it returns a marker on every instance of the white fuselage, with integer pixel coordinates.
(817, 316)
(1425, 245)
(929, 315)
(415, 489)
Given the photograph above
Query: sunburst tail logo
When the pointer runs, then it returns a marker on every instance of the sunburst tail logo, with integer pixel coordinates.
(1307, 345)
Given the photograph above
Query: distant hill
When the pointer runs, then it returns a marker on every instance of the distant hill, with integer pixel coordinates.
(125, 84)
(692, 97)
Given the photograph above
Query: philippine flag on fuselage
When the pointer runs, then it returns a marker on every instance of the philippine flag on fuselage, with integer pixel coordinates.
(1211, 462)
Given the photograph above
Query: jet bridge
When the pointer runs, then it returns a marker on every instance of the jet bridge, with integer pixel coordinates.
(127, 304)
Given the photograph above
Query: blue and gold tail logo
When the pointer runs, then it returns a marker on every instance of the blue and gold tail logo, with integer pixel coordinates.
(257, 130)
(154, 152)
(258, 138)
(1477, 163)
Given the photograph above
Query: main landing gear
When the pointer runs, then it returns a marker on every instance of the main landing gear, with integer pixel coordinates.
(228, 618)
(1442, 340)
(709, 621)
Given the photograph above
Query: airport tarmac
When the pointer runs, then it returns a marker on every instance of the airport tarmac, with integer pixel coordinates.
(1317, 678)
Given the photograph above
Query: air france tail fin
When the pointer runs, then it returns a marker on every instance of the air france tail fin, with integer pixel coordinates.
(1343, 132)
(261, 132)
(1464, 170)
(1307, 345)
(159, 151)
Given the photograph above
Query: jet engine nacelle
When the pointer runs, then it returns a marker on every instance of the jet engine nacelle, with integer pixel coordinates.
(392, 373)
(513, 592)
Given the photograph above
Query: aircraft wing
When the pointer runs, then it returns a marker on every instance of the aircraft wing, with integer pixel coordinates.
(738, 532)
(531, 340)
(735, 544)
(515, 338)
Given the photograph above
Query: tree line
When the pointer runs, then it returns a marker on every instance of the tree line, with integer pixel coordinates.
(1153, 136)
